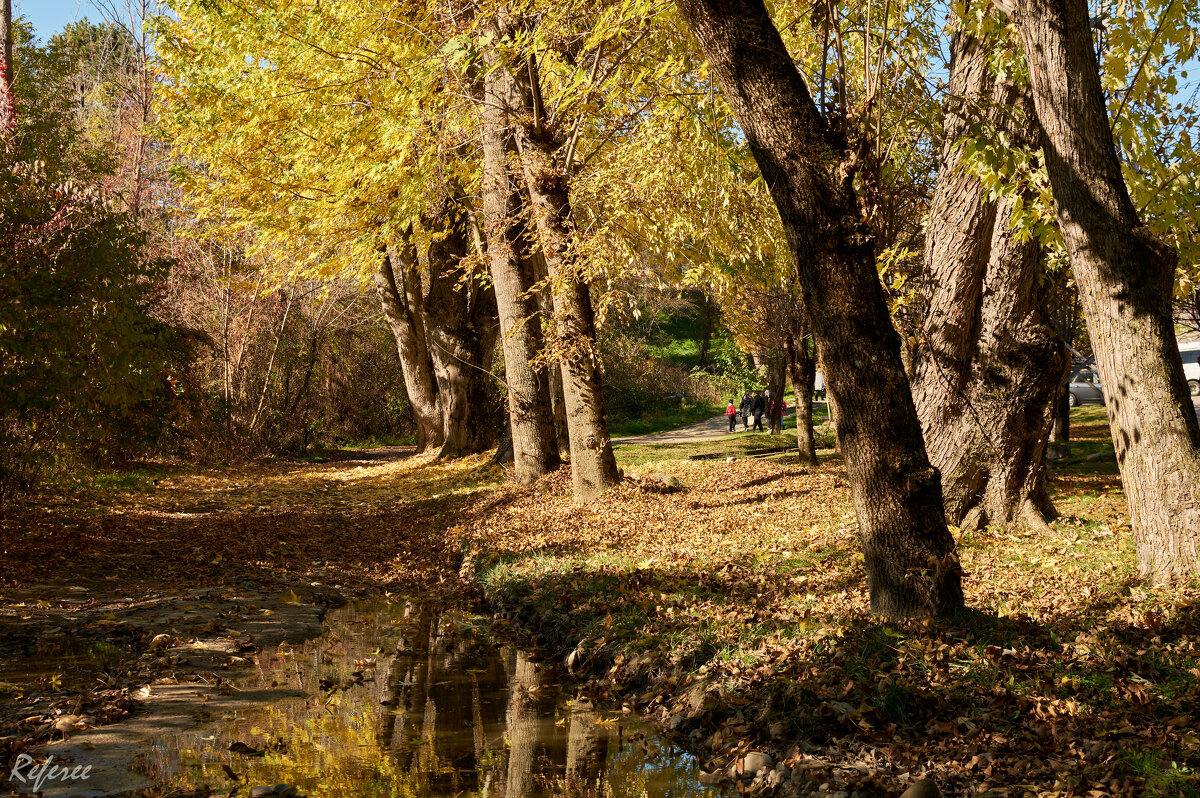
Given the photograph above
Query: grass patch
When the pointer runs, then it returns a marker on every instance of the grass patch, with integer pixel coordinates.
(645, 421)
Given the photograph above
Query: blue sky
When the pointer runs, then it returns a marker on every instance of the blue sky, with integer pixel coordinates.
(49, 16)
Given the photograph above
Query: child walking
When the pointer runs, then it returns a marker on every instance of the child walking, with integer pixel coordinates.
(731, 413)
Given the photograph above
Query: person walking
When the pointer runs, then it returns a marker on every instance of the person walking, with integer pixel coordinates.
(747, 402)
(758, 406)
(731, 413)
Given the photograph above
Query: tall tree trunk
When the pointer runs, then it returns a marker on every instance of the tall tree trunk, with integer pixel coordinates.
(535, 447)
(909, 553)
(803, 372)
(558, 401)
(459, 323)
(8, 104)
(408, 328)
(1125, 278)
(986, 376)
(593, 467)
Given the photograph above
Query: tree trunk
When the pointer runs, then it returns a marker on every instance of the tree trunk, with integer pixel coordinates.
(1060, 432)
(1125, 278)
(909, 553)
(535, 448)
(459, 322)
(709, 309)
(8, 115)
(990, 364)
(776, 384)
(593, 467)
(558, 401)
(408, 327)
(803, 372)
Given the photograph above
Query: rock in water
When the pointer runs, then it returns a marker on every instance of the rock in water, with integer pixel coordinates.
(925, 788)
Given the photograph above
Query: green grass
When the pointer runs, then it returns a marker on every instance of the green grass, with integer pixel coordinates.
(738, 444)
(662, 419)
(375, 441)
(110, 480)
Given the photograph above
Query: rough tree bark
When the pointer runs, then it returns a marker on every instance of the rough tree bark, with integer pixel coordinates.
(593, 467)
(402, 307)
(911, 565)
(803, 371)
(990, 362)
(7, 100)
(535, 447)
(1125, 278)
(461, 329)
(558, 401)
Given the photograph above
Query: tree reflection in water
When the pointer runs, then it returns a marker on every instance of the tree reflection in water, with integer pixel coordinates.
(405, 701)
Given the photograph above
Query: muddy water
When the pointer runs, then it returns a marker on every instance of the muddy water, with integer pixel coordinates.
(402, 701)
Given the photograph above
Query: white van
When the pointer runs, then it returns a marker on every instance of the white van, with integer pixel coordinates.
(1191, 365)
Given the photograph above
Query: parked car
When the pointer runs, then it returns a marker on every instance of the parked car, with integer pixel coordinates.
(1085, 389)
(1191, 366)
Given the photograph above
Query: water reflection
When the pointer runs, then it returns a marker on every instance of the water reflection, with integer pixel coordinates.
(404, 701)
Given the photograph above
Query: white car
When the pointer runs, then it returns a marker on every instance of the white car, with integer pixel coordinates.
(1191, 366)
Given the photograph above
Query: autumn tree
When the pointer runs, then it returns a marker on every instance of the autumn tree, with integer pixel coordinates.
(514, 275)
(989, 364)
(910, 560)
(1125, 276)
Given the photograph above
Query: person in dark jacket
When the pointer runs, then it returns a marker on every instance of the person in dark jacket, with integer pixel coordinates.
(745, 410)
(758, 406)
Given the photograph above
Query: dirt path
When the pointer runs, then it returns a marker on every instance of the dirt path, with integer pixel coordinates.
(707, 430)
(102, 596)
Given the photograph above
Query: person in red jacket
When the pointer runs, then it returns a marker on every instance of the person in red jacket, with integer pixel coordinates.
(731, 413)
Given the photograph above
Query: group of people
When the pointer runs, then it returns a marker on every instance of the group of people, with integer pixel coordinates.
(754, 405)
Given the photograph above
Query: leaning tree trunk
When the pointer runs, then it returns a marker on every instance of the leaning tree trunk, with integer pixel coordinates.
(909, 553)
(1125, 278)
(990, 364)
(534, 445)
(803, 372)
(459, 322)
(408, 328)
(593, 467)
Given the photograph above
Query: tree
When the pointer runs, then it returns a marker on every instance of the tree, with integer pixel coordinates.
(573, 338)
(989, 365)
(1125, 277)
(909, 552)
(398, 283)
(530, 412)
(7, 106)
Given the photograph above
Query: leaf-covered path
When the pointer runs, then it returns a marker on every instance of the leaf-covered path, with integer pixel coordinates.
(734, 610)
